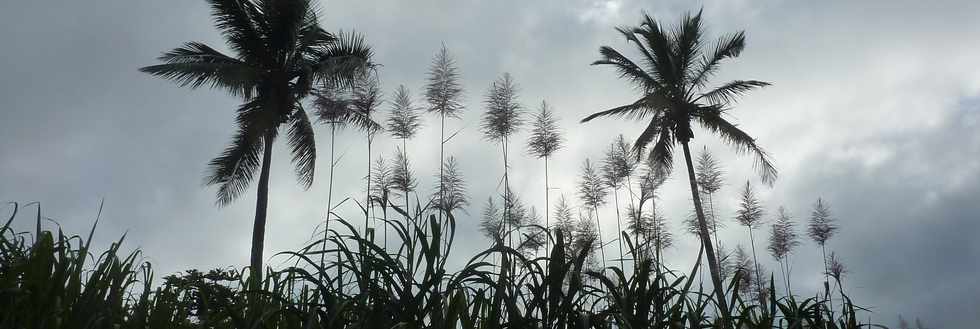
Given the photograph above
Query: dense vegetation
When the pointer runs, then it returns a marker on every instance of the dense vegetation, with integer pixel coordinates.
(49, 279)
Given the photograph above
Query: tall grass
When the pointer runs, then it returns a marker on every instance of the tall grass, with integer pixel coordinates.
(47, 282)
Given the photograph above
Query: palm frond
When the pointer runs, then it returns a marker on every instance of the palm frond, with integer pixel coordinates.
(650, 104)
(237, 21)
(687, 43)
(302, 146)
(729, 92)
(344, 61)
(626, 68)
(661, 156)
(710, 118)
(195, 64)
(727, 46)
(234, 169)
(662, 48)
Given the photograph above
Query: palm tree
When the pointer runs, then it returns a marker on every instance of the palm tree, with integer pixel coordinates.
(444, 94)
(501, 120)
(592, 191)
(672, 77)
(280, 52)
(750, 214)
(544, 141)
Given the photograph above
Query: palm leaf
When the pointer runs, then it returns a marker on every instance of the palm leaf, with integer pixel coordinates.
(711, 119)
(344, 61)
(233, 170)
(302, 147)
(728, 46)
(195, 64)
(729, 92)
(237, 20)
(651, 104)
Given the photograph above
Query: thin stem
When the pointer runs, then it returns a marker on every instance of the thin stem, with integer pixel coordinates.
(619, 227)
(598, 225)
(326, 224)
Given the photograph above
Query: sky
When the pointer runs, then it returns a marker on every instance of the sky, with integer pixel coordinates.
(874, 107)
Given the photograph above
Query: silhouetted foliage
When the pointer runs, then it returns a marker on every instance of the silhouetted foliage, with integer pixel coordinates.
(404, 120)
(545, 138)
(451, 196)
(821, 227)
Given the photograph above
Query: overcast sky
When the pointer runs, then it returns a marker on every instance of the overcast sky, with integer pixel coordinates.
(873, 107)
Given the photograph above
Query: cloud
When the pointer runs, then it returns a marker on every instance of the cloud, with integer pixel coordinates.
(873, 107)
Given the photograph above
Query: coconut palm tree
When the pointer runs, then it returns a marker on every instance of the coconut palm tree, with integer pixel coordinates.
(676, 64)
(444, 95)
(502, 119)
(279, 53)
(544, 141)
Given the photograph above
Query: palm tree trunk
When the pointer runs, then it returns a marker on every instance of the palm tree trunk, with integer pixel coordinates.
(258, 227)
(706, 240)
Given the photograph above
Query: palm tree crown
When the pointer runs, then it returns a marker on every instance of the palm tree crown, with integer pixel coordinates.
(672, 77)
(280, 51)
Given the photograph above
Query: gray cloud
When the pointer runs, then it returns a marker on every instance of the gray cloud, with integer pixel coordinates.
(874, 108)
